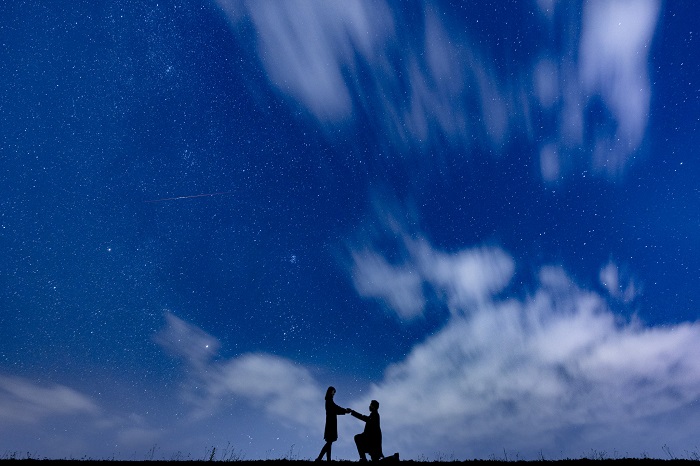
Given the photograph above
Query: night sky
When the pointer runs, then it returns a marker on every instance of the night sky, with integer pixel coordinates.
(485, 215)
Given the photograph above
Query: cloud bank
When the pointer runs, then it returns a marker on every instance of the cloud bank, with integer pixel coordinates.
(420, 85)
(555, 372)
(551, 372)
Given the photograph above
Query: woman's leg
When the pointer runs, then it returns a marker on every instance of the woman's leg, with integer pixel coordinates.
(327, 450)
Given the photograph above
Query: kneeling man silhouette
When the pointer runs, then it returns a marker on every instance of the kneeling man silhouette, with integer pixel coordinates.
(370, 440)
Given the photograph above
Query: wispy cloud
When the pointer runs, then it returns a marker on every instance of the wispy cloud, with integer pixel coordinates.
(617, 284)
(397, 286)
(614, 52)
(65, 422)
(341, 60)
(307, 47)
(461, 280)
(279, 387)
(24, 401)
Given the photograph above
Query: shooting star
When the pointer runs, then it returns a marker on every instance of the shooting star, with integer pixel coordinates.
(187, 197)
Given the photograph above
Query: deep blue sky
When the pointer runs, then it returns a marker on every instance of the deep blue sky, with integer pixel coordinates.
(484, 216)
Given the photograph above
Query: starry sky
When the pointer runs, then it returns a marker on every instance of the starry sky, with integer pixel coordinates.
(484, 214)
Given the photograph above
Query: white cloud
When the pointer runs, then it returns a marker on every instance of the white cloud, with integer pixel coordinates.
(463, 279)
(555, 372)
(546, 83)
(24, 401)
(55, 421)
(466, 278)
(340, 60)
(306, 46)
(282, 388)
(619, 288)
(279, 387)
(547, 7)
(400, 288)
(187, 341)
(550, 168)
(614, 50)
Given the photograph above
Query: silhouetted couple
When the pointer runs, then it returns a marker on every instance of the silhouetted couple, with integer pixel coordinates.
(368, 442)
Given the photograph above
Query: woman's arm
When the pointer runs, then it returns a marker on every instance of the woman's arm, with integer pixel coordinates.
(338, 410)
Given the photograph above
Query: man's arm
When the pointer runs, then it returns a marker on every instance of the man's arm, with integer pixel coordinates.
(359, 416)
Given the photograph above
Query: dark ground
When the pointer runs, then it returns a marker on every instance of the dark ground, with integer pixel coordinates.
(283, 462)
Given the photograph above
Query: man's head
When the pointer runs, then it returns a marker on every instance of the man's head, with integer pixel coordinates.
(374, 405)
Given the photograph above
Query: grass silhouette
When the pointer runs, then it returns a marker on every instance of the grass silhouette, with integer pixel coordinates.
(229, 454)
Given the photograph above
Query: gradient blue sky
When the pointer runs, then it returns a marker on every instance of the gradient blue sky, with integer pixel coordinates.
(483, 214)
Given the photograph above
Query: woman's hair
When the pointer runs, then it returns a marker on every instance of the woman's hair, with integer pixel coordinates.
(330, 392)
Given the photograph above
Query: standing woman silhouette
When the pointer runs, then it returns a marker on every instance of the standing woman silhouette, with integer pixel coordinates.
(330, 434)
